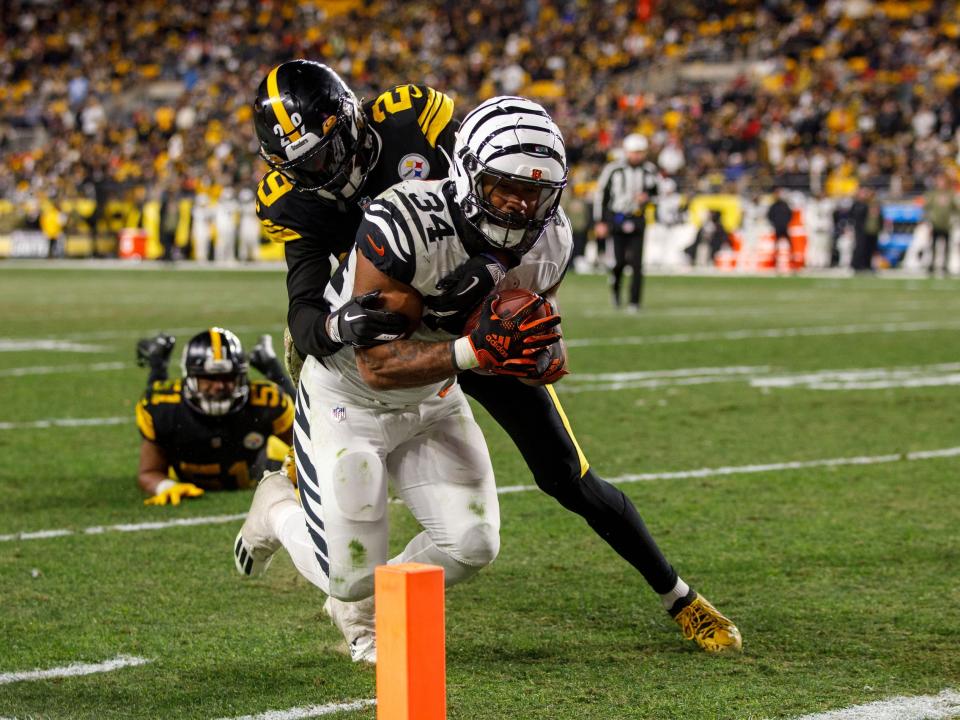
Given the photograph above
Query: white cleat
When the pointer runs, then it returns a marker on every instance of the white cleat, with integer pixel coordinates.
(256, 544)
(357, 623)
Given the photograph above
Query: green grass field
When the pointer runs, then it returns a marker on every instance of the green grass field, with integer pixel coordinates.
(843, 578)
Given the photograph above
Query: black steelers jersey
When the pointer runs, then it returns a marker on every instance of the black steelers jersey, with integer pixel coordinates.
(213, 452)
(415, 130)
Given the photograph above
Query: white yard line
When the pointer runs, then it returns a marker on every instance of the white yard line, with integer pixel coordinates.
(650, 379)
(67, 340)
(941, 374)
(936, 375)
(134, 333)
(652, 384)
(73, 670)
(768, 467)
(55, 369)
(856, 375)
(672, 373)
(751, 334)
(921, 707)
(308, 711)
(66, 422)
(724, 311)
(509, 489)
(126, 527)
(32, 344)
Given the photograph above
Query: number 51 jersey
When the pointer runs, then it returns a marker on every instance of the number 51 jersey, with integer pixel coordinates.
(213, 452)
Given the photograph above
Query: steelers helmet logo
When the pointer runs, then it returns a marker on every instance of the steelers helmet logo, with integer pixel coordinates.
(253, 441)
(413, 167)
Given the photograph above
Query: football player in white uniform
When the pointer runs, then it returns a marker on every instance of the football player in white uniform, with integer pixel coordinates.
(395, 410)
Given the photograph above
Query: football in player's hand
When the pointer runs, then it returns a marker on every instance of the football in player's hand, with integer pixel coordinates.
(510, 301)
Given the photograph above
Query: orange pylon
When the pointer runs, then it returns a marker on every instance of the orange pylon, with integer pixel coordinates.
(411, 660)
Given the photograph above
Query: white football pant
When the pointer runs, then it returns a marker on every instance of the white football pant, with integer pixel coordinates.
(346, 449)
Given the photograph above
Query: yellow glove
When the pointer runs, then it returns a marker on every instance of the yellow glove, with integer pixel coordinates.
(170, 491)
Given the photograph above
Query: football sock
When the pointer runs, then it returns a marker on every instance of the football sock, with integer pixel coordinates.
(614, 518)
(678, 598)
(289, 522)
(552, 456)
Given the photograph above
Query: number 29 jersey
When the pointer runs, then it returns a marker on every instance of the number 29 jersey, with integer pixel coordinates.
(414, 129)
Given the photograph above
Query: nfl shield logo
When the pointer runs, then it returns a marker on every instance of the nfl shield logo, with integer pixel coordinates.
(339, 413)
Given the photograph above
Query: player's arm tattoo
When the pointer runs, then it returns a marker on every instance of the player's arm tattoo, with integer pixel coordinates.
(401, 363)
(405, 363)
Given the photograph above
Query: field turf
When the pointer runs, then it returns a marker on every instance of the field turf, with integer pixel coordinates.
(844, 578)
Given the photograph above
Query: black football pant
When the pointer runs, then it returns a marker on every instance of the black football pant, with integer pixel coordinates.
(944, 237)
(628, 249)
(534, 419)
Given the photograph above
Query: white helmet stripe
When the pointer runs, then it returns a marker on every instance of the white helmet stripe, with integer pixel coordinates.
(523, 150)
(493, 108)
(534, 136)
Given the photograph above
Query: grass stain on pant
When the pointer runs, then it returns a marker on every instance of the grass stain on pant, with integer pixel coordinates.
(358, 553)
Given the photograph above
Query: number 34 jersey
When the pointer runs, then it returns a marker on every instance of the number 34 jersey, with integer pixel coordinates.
(213, 452)
(416, 234)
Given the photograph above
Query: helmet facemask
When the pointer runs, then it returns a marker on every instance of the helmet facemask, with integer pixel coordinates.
(312, 130)
(215, 378)
(509, 210)
(334, 163)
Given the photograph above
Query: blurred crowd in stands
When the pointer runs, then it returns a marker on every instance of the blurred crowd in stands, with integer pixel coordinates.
(145, 99)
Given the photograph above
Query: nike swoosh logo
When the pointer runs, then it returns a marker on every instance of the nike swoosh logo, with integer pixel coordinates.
(473, 281)
(378, 249)
(350, 318)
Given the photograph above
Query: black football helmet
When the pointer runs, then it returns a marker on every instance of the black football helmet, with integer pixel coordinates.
(215, 354)
(312, 130)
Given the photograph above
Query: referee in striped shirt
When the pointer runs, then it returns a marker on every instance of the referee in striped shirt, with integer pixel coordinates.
(623, 192)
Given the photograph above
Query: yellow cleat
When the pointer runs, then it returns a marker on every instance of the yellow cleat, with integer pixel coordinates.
(708, 627)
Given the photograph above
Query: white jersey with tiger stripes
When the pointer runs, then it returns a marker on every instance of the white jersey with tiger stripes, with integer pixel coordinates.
(420, 246)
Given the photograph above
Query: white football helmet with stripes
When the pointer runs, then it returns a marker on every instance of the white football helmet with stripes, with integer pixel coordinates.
(509, 145)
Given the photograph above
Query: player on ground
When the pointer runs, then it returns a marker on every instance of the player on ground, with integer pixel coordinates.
(408, 133)
(214, 429)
